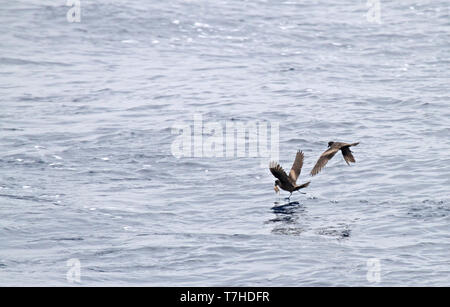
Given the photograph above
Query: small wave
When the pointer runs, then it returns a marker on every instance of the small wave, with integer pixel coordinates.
(15, 61)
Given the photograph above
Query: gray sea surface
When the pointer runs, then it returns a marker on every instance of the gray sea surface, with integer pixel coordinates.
(87, 169)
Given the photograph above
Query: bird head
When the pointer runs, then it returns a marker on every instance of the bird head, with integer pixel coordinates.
(275, 187)
(330, 144)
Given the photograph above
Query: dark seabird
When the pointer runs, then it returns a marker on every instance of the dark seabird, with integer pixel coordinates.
(285, 182)
(334, 147)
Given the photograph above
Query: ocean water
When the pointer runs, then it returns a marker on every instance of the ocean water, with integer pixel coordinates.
(88, 170)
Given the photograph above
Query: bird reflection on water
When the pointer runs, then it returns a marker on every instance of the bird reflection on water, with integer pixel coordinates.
(285, 208)
(288, 218)
(292, 218)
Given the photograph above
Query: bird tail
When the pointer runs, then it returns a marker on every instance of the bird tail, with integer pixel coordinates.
(302, 186)
(354, 144)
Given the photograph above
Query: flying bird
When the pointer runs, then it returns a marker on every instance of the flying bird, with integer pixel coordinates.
(333, 148)
(285, 181)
